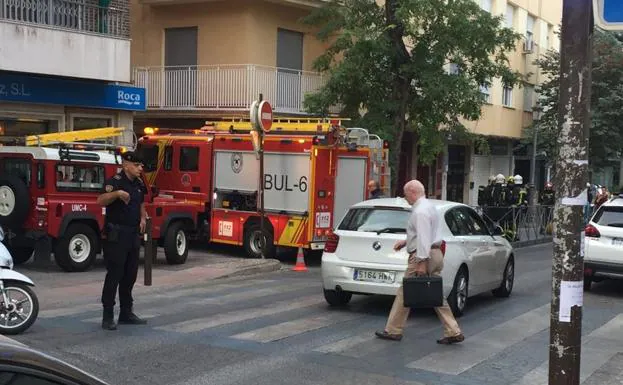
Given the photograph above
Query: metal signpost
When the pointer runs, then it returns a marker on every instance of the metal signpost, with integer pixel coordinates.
(578, 19)
(261, 117)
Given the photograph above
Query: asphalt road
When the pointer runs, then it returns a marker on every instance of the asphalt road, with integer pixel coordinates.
(275, 328)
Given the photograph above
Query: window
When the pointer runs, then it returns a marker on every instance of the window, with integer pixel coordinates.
(87, 123)
(485, 91)
(486, 5)
(189, 158)
(609, 216)
(40, 175)
(16, 128)
(375, 219)
(456, 223)
(168, 158)
(528, 97)
(150, 157)
(20, 168)
(510, 16)
(85, 178)
(530, 27)
(465, 222)
(507, 96)
(475, 222)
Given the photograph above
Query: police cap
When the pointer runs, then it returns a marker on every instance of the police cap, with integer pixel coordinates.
(131, 156)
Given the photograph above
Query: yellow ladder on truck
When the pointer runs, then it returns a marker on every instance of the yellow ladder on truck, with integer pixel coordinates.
(74, 136)
(280, 124)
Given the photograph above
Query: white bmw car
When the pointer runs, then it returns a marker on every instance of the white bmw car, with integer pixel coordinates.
(359, 256)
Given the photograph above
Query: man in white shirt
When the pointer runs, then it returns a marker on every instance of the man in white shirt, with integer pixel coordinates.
(425, 257)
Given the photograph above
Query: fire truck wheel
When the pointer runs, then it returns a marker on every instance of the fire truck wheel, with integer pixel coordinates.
(176, 244)
(253, 241)
(13, 211)
(21, 254)
(77, 248)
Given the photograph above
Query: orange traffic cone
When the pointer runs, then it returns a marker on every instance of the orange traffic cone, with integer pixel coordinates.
(300, 261)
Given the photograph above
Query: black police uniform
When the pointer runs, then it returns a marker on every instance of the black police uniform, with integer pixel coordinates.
(122, 246)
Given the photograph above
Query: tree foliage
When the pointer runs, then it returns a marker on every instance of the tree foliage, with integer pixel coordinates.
(606, 131)
(387, 66)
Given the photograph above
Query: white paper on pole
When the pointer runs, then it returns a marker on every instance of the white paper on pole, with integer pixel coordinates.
(571, 294)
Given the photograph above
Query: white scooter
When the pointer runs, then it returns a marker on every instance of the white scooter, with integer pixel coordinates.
(19, 306)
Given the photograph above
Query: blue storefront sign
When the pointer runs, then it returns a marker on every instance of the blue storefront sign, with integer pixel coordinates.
(69, 92)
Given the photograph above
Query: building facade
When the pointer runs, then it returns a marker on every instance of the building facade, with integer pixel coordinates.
(65, 66)
(508, 109)
(211, 59)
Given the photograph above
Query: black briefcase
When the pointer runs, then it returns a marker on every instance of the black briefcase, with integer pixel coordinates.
(422, 292)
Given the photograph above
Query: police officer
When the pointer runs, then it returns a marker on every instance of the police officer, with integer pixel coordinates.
(125, 221)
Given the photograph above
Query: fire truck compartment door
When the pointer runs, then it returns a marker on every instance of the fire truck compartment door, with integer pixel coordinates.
(350, 185)
(286, 177)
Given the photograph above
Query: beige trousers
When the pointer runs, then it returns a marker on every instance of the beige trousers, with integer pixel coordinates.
(399, 313)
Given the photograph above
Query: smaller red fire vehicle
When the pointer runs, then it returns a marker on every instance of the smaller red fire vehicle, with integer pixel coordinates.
(48, 200)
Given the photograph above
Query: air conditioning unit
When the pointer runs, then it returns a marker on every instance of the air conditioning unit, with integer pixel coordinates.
(528, 46)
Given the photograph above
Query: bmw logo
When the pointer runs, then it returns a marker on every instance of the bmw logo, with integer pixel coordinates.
(376, 245)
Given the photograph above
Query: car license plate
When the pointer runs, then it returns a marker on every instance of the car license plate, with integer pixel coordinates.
(617, 241)
(375, 276)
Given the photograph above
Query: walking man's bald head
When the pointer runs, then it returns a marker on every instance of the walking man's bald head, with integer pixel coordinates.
(414, 190)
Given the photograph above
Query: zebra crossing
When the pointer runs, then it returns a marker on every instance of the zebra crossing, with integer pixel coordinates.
(286, 316)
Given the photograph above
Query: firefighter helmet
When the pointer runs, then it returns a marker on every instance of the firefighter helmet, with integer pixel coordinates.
(510, 180)
(499, 178)
(518, 179)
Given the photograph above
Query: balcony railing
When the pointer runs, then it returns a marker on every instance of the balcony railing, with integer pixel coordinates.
(68, 14)
(225, 87)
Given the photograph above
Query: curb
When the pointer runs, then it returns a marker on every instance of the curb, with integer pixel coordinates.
(266, 266)
(533, 242)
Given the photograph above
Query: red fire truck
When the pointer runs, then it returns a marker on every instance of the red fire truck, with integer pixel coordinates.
(314, 169)
(48, 199)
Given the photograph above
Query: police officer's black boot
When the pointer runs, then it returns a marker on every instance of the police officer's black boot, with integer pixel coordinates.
(126, 316)
(108, 319)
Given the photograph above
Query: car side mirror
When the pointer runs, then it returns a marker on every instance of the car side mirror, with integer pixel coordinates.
(497, 230)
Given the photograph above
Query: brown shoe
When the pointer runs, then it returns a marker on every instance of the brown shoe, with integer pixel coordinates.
(451, 340)
(387, 336)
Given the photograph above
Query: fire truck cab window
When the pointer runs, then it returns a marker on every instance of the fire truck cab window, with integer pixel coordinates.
(84, 178)
(150, 157)
(168, 158)
(189, 158)
(20, 168)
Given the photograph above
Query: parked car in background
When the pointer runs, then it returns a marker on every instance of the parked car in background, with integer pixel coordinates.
(359, 257)
(603, 243)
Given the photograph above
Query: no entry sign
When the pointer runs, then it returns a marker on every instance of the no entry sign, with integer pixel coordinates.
(265, 116)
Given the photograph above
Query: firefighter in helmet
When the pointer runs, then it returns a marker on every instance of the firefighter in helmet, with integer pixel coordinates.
(485, 193)
(520, 192)
(498, 191)
(547, 197)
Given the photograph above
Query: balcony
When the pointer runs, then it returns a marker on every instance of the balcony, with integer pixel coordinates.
(75, 38)
(225, 87)
(69, 15)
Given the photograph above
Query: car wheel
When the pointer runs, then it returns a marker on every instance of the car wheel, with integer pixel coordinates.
(77, 249)
(458, 296)
(337, 298)
(588, 282)
(506, 287)
(176, 244)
